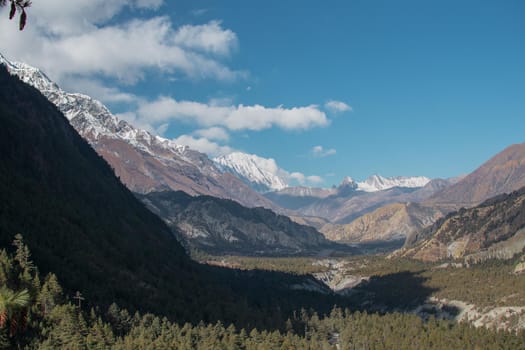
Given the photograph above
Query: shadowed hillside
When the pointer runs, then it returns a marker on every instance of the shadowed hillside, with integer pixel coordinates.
(81, 223)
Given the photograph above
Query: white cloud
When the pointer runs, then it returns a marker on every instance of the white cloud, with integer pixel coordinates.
(79, 39)
(203, 145)
(59, 17)
(305, 180)
(319, 151)
(96, 89)
(314, 179)
(149, 4)
(208, 37)
(337, 106)
(213, 133)
(238, 117)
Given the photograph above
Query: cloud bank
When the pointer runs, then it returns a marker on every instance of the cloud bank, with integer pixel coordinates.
(79, 39)
(233, 117)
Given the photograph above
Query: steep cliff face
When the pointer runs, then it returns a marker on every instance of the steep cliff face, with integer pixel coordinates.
(493, 229)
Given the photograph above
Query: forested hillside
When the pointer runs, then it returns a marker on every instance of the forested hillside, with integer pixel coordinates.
(35, 314)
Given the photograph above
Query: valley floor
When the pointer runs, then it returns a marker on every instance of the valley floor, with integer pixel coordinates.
(489, 294)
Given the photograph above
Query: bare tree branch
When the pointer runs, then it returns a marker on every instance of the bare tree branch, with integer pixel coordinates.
(20, 6)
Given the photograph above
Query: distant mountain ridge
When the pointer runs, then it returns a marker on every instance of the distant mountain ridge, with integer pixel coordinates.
(346, 202)
(503, 173)
(144, 162)
(264, 175)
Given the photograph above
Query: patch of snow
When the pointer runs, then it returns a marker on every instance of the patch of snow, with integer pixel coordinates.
(262, 173)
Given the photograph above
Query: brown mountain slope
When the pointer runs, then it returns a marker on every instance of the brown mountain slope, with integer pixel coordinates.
(390, 222)
(168, 169)
(503, 173)
(494, 229)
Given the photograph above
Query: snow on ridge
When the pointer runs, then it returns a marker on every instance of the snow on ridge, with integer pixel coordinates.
(261, 172)
(89, 116)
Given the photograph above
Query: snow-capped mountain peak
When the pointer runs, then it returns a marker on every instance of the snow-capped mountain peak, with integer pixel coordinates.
(262, 174)
(88, 116)
(30, 75)
(379, 183)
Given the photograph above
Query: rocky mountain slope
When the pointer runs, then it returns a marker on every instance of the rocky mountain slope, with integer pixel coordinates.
(360, 216)
(142, 161)
(494, 229)
(390, 222)
(223, 226)
(503, 173)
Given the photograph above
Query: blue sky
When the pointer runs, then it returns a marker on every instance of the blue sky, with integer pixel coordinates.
(431, 88)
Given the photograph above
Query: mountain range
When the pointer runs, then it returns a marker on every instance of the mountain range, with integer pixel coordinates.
(81, 223)
(147, 163)
(345, 203)
(143, 162)
(264, 175)
(378, 208)
(393, 213)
